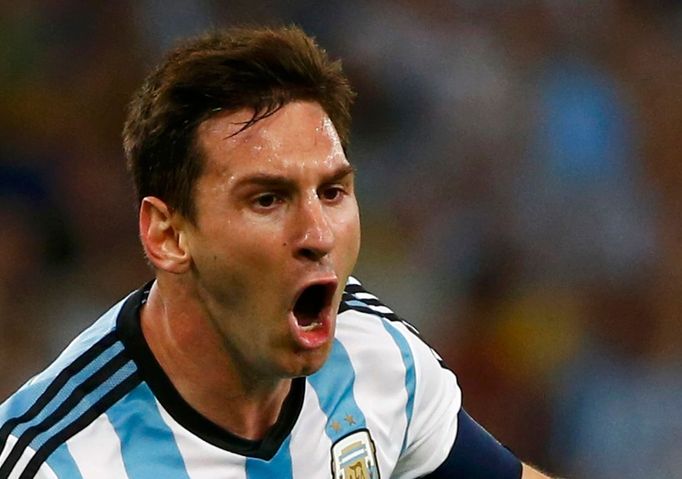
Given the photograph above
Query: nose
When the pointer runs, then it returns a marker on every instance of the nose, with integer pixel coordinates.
(315, 237)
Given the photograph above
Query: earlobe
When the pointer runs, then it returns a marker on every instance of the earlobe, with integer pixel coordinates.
(162, 236)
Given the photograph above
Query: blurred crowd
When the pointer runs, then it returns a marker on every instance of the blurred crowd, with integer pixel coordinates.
(520, 180)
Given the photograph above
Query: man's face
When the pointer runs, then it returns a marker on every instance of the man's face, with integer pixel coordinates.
(277, 233)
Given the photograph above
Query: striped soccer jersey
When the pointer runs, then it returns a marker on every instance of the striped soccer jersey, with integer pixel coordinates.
(381, 406)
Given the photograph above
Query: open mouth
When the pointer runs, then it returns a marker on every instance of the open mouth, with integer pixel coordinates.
(309, 309)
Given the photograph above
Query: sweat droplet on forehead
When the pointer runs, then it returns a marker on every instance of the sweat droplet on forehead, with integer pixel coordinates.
(330, 131)
(298, 137)
(257, 148)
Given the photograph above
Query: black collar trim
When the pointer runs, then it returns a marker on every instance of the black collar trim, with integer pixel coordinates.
(130, 333)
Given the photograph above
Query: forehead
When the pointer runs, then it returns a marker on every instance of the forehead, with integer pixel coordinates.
(292, 136)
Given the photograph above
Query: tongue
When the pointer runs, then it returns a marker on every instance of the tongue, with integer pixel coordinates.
(304, 320)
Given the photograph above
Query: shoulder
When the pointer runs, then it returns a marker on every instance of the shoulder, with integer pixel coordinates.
(85, 350)
(36, 421)
(396, 379)
(366, 321)
(382, 344)
(369, 329)
(361, 313)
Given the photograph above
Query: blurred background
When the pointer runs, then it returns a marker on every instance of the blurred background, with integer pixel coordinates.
(520, 183)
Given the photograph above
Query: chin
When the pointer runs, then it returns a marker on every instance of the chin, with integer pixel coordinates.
(309, 362)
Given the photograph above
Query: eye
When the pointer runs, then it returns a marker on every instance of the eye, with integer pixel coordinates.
(267, 200)
(332, 193)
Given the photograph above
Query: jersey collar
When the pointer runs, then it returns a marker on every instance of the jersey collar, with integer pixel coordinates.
(130, 333)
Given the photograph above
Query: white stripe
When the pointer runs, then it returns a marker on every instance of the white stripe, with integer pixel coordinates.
(45, 472)
(380, 309)
(352, 280)
(364, 296)
(11, 441)
(436, 404)
(310, 446)
(202, 459)
(353, 455)
(379, 391)
(27, 454)
(97, 450)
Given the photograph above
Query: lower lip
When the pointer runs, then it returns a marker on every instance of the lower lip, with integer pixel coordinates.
(315, 337)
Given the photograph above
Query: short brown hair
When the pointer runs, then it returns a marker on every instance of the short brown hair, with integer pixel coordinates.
(261, 69)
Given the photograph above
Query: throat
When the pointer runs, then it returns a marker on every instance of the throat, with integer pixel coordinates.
(250, 416)
(208, 381)
(247, 413)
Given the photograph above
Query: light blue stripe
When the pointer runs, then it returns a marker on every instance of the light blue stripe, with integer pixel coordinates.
(355, 302)
(117, 378)
(410, 379)
(334, 387)
(63, 464)
(148, 446)
(278, 467)
(25, 401)
(408, 361)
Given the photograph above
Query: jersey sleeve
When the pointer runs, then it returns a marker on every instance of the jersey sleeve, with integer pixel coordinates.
(477, 455)
(442, 440)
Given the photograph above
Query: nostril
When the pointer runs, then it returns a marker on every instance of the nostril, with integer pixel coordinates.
(314, 245)
(311, 254)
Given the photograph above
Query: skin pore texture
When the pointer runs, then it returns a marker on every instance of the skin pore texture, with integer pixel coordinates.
(276, 213)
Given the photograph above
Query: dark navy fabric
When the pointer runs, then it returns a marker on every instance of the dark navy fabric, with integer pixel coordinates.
(477, 455)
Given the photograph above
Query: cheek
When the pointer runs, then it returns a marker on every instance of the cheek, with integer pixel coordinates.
(348, 233)
(242, 239)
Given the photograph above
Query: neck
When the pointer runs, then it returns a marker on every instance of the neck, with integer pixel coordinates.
(190, 352)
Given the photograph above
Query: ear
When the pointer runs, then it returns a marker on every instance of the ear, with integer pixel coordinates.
(163, 237)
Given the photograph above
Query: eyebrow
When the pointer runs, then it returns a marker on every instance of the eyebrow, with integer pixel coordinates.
(281, 181)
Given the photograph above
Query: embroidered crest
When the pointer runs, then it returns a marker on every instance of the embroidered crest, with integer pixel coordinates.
(354, 457)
